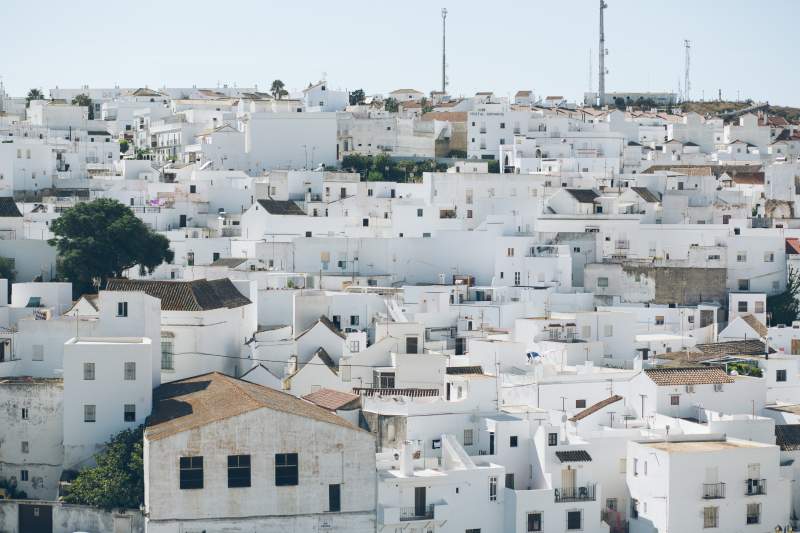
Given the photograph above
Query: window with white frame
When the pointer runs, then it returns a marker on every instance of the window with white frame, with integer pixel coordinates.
(130, 371)
(468, 437)
(88, 371)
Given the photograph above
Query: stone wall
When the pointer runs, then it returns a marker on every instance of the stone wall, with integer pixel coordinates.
(71, 518)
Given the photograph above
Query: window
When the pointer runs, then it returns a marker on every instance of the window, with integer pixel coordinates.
(580, 404)
(759, 307)
(742, 307)
(675, 399)
(634, 508)
(780, 375)
(238, 471)
(659, 320)
(608, 330)
(635, 466)
(23, 475)
(25, 413)
(469, 213)
(25, 446)
(419, 212)
(753, 513)
(741, 257)
(492, 489)
(167, 362)
(88, 371)
(769, 257)
(552, 439)
(513, 441)
(122, 309)
(89, 413)
(285, 469)
(468, 437)
(412, 344)
(510, 252)
(611, 504)
(130, 412)
(353, 320)
(38, 352)
(517, 278)
(534, 522)
(602, 282)
(744, 284)
(130, 371)
(334, 498)
(710, 517)
(574, 520)
(191, 472)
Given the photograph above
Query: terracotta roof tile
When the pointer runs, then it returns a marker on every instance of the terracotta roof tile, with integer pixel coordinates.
(196, 295)
(333, 399)
(201, 400)
(596, 407)
(688, 376)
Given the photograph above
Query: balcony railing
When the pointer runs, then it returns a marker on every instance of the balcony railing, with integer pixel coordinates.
(575, 494)
(413, 513)
(755, 487)
(713, 491)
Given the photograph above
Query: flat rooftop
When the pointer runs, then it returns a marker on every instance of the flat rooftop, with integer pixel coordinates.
(703, 446)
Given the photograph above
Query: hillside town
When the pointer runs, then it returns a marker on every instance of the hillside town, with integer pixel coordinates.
(252, 309)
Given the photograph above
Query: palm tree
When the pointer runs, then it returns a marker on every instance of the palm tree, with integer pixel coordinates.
(83, 100)
(33, 94)
(278, 90)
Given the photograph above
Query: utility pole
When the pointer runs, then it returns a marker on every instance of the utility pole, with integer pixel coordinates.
(601, 92)
(444, 50)
(687, 84)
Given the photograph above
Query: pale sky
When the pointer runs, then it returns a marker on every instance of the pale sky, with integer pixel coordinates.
(500, 45)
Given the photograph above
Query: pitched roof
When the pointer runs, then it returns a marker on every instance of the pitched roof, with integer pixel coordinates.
(792, 245)
(333, 400)
(787, 436)
(8, 207)
(325, 321)
(646, 194)
(747, 347)
(464, 370)
(596, 407)
(584, 196)
(756, 324)
(144, 91)
(749, 178)
(688, 376)
(281, 207)
(194, 402)
(196, 295)
(573, 456)
(231, 262)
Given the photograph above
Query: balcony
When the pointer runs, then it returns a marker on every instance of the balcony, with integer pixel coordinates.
(414, 513)
(575, 494)
(755, 487)
(713, 491)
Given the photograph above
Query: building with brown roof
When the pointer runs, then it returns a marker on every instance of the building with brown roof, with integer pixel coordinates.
(222, 453)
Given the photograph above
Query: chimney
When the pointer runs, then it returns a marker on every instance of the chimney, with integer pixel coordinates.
(291, 365)
(407, 459)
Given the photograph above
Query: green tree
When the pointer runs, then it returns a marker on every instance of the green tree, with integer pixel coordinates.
(278, 90)
(357, 97)
(426, 105)
(123, 146)
(102, 239)
(391, 105)
(33, 94)
(118, 479)
(83, 100)
(784, 307)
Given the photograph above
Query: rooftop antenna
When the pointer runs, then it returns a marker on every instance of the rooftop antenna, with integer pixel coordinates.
(601, 93)
(687, 85)
(590, 70)
(444, 50)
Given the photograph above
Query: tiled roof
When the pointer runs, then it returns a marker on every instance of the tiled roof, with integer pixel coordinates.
(749, 178)
(596, 407)
(281, 207)
(462, 370)
(646, 194)
(584, 196)
(792, 246)
(688, 376)
(8, 207)
(196, 295)
(787, 436)
(325, 321)
(332, 399)
(409, 392)
(748, 347)
(198, 401)
(231, 262)
(573, 456)
(756, 324)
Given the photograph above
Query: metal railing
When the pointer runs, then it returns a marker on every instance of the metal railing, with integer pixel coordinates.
(713, 491)
(413, 513)
(575, 494)
(755, 487)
